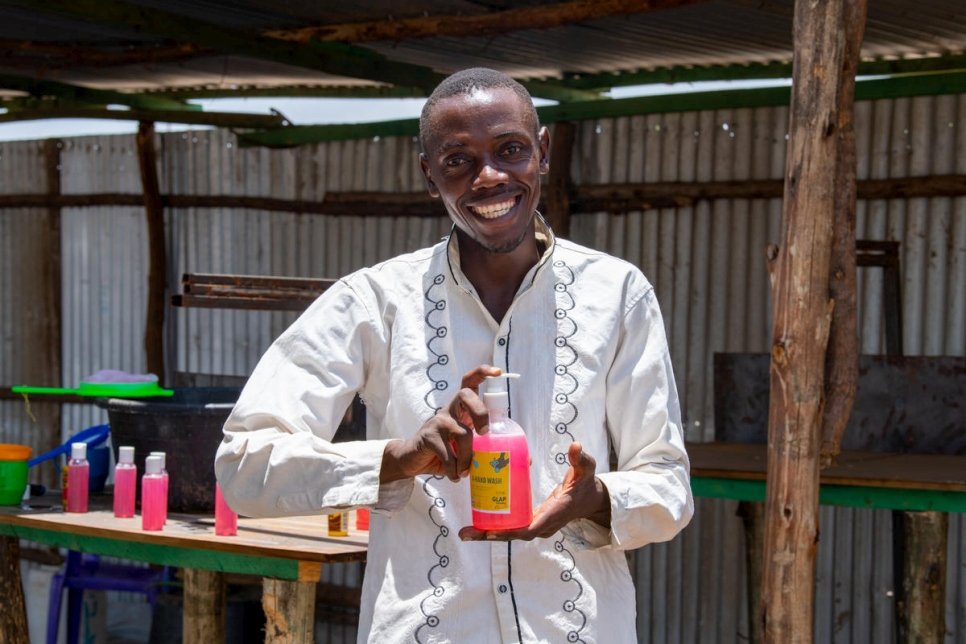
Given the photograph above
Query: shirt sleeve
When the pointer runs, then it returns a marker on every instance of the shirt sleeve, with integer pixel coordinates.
(650, 492)
(277, 458)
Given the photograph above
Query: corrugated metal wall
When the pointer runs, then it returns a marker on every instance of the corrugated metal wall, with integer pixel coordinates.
(706, 263)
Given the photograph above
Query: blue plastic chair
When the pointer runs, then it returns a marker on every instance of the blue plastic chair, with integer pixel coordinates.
(87, 572)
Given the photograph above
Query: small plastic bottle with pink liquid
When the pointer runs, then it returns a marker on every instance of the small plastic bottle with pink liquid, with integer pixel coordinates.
(154, 501)
(226, 520)
(500, 471)
(78, 478)
(164, 475)
(125, 483)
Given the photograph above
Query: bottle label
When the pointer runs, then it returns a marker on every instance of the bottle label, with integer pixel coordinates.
(490, 482)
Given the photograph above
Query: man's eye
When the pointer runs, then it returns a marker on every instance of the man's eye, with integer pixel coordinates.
(512, 149)
(454, 162)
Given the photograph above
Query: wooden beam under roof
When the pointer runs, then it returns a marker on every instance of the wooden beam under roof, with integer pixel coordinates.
(90, 95)
(327, 57)
(61, 55)
(494, 23)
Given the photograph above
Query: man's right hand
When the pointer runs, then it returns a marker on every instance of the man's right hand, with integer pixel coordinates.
(443, 446)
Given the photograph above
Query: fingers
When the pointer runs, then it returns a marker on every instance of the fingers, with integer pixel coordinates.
(473, 379)
(582, 462)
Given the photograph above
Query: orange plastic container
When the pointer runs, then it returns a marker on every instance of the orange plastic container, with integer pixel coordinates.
(13, 472)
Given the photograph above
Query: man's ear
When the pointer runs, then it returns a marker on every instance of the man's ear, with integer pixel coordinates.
(430, 184)
(544, 137)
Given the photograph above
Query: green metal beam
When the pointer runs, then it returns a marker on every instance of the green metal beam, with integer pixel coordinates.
(925, 85)
(852, 496)
(754, 71)
(81, 94)
(216, 119)
(328, 57)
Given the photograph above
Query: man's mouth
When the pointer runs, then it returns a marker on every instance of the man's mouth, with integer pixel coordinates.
(492, 211)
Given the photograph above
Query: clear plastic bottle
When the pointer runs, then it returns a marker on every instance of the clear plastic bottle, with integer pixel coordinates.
(500, 471)
(125, 483)
(78, 478)
(164, 475)
(226, 521)
(154, 501)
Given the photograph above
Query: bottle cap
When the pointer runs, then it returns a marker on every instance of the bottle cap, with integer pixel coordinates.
(152, 465)
(162, 456)
(496, 395)
(78, 451)
(125, 454)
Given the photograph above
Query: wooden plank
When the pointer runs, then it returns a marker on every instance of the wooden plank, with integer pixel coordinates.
(266, 547)
(204, 606)
(13, 611)
(157, 251)
(747, 461)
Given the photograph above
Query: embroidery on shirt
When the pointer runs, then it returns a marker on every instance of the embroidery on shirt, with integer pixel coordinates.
(566, 385)
(439, 331)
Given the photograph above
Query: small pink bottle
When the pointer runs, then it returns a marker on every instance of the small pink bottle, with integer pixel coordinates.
(125, 483)
(154, 501)
(164, 475)
(78, 478)
(226, 521)
(500, 470)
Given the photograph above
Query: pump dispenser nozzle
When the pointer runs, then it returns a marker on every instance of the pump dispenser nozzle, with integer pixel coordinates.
(496, 395)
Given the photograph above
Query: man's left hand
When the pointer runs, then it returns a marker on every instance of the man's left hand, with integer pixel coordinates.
(581, 495)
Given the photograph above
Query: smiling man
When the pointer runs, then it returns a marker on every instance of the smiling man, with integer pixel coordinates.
(416, 336)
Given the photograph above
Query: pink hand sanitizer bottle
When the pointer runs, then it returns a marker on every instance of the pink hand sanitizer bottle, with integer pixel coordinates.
(125, 483)
(164, 475)
(78, 478)
(154, 502)
(226, 521)
(500, 471)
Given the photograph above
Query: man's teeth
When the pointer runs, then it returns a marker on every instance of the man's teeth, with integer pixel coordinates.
(494, 210)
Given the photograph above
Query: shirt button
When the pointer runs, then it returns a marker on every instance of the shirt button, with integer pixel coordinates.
(501, 342)
(502, 588)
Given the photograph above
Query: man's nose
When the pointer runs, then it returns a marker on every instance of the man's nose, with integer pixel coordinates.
(490, 175)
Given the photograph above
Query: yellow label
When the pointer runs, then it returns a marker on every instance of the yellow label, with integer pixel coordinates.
(490, 482)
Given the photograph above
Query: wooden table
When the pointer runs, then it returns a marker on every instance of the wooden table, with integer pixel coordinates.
(912, 482)
(288, 553)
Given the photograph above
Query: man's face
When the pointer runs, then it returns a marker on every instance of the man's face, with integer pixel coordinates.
(484, 160)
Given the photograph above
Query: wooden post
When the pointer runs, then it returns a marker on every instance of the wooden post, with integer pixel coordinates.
(204, 606)
(13, 611)
(289, 611)
(922, 608)
(842, 360)
(560, 183)
(157, 255)
(801, 272)
(753, 520)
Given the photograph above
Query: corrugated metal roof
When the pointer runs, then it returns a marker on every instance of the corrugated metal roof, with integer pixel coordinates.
(716, 32)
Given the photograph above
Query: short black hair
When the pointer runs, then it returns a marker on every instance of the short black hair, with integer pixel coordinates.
(468, 81)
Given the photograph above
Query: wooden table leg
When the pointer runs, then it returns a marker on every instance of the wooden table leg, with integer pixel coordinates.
(922, 608)
(13, 610)
(204, 607)
(289, 611)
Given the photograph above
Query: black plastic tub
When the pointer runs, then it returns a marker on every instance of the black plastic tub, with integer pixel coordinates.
(186, 427)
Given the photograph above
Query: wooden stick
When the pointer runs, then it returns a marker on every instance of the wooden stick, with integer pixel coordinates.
(204, 606)
(922, 610)
(289, 611)
(560, 184)
(158, 260)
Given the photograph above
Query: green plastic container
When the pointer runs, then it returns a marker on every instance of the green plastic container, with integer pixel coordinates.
(13, 472)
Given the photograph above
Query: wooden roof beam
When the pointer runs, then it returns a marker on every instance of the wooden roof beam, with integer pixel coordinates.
(78, 93)
(494, 23)
(57, 55)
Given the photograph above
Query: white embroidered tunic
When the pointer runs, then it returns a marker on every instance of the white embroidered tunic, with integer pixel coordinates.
(585, 333)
